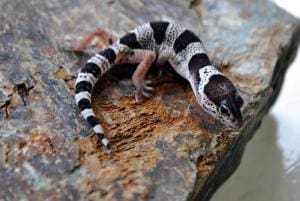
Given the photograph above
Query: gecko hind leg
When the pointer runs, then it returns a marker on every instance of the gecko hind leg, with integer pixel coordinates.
(101, 37)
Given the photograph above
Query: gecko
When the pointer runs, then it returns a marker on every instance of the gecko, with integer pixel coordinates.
(159, 42)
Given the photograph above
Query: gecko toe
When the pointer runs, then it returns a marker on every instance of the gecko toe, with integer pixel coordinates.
(147, 88)
(137, 96)
(147, 82)
(146, 94)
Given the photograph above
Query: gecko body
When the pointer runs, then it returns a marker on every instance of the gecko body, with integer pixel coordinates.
(161, 42)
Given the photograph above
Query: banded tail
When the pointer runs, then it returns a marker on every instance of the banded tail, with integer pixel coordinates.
(85, 82)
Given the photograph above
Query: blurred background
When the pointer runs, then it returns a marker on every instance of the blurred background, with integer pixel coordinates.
(270, 168)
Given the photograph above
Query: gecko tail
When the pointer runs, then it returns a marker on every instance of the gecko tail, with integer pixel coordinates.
(101, 137)
(85, 82)
(104, 141)
(84, 104)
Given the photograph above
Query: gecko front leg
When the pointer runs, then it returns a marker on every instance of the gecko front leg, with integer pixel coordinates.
(144, 58)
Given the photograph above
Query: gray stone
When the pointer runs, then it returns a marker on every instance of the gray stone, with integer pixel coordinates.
(166, 148)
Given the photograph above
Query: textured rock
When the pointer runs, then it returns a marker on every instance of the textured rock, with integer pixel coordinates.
(165, 148)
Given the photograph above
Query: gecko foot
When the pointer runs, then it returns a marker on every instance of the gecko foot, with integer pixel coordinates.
(143, 89)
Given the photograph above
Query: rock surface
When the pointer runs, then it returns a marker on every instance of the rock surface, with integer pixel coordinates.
(165, 148)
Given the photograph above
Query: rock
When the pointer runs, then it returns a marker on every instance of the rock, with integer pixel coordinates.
(165, 148)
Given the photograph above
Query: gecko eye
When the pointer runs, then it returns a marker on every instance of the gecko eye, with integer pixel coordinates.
(224, 109)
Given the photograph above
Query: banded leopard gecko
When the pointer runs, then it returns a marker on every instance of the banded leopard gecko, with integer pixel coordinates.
(161, 42)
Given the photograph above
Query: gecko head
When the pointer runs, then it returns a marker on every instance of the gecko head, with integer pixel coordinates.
(219, 97)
